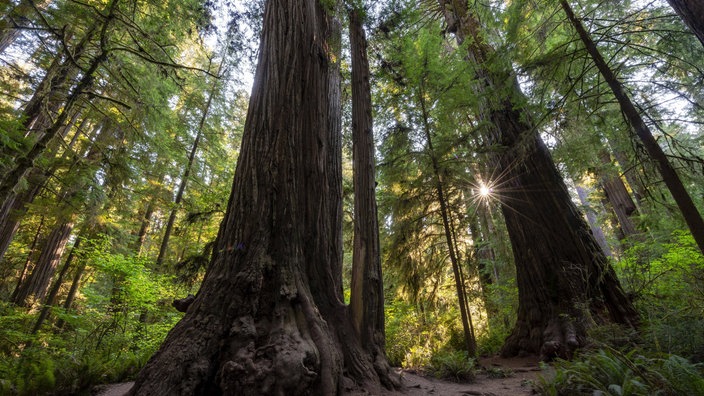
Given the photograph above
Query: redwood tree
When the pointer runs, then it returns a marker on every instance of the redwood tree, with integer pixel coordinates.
(564, 280)
(367, 293)
(269, 317)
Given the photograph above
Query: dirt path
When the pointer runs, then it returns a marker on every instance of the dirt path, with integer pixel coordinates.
(520, 373)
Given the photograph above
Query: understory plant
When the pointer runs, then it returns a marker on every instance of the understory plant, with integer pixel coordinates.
(611, 372)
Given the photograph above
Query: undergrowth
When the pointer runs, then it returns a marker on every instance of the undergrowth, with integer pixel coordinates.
(606, 372)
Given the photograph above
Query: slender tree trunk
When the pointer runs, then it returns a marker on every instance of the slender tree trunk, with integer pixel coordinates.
(691, 215)
(186, 174)
(483, 254)
(53, 293)
(16, 209)
(367, 293)
(35, 287)
(269, 317)
(564, 280)
(23, 273)
(73, 290)
(144, 228)
(692, 14)
(470, 342)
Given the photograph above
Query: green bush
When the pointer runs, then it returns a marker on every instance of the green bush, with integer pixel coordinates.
(455, 365)
(122, 316)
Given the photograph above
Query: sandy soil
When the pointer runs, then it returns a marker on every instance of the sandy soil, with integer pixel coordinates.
(521, 374)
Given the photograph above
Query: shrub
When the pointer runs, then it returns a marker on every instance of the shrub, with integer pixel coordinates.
(454, 365)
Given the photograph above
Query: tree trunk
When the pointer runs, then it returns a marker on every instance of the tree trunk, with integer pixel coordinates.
(51, 298)
(269, 317)
(23, 273)
(16, 207)
(144, 228)
(186, 174)
(563, 278)
(367, 293)
(618, 196)
(597, 231)
(692, 14)
(672, 180)
(35, 287)
(469, 340)
(73, 290)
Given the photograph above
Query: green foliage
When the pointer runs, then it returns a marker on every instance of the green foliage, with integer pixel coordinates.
(413, 338)
(610, 372)
(667, 279)
(454, 365)
(123, 315)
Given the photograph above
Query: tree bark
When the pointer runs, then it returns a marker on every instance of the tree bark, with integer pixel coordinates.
(564, 280)
(144, 228)
(689, 211)
(23, 273)
(269, 317)
(618, 196)
(35, 287)
(692, 14)
(54, 291)
(15, 208)
(367, 292)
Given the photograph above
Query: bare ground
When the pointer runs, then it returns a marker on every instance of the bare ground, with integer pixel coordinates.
(520, 373)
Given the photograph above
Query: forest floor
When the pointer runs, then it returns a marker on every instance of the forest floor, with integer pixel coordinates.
(500, 377)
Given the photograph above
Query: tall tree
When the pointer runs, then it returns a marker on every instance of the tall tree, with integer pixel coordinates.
(564, 280)
(26, 161)
(691, 215)
(450, 235)
(269, 317)
(367, 293)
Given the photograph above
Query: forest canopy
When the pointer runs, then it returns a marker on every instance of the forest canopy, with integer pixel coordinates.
(295, 197)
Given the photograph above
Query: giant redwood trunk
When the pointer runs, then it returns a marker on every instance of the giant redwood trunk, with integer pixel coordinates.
(564, 280)
(692, 14)
(269, 317)
(367, 293)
